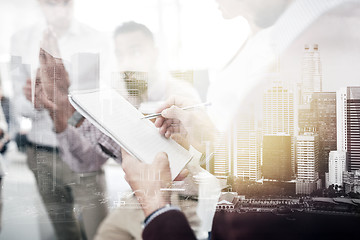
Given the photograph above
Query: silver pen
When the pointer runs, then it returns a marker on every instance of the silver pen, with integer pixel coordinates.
(155, 115)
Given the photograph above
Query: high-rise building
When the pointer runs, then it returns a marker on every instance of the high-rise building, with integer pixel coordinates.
(348, 125)
(278, 114)
(277, 157)
(222, 155)
(307, 155)
(341, 119)
(351, 181)
(353, 127)
(337, 165)
(322, 120)
(238, 152)
(320, 117)
(311, 80)
(246, 149)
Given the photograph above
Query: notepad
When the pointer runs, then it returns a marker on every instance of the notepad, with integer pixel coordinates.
(116, 117)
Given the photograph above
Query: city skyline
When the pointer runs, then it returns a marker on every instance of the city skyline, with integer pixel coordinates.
(319, 120)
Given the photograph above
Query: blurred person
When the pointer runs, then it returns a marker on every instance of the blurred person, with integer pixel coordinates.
(272, 22)
(83, 147)
(4, 139)
(4, 122)
(62, 35)
(136, 52)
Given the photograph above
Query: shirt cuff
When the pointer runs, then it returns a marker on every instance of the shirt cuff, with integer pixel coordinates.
(158, 212)
(68, 130)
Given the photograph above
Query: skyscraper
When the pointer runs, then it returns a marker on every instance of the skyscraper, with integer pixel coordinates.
(323, 122)
(311, 80)
(348, 123)
(246, 149)
(238, 152)
(307, 153)
(222, 154)
(353, 127)
(278, 114)
(341, 119)
(277, 157)
(337, 165)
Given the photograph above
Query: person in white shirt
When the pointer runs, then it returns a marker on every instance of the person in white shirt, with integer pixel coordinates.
(279, 22)
(54, 178)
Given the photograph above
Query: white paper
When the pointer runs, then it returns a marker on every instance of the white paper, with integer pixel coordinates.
(121, 121)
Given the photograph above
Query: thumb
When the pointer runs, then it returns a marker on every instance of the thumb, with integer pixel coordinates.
(127, 161)
(161, 158)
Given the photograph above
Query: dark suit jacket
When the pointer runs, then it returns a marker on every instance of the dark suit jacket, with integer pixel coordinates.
(169, 225)
(226, 225)
(258, 226)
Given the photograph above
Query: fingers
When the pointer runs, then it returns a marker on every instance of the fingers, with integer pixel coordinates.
(165, 126)
(173, 119)
(173, 129)
(49, 43)
(176, 113)
(49, 105)
(159, 121)
(53, 73)
(46, 59)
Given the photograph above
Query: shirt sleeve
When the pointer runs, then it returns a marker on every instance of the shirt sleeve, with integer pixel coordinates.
(86, 149)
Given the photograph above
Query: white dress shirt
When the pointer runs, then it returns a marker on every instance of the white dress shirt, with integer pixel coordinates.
(26, 43)
(232, 89)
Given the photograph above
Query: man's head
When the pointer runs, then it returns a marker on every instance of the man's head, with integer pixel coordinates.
(135, 48)
(262, 13)
(58, 13)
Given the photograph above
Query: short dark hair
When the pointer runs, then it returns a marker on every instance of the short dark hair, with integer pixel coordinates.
(132, 26)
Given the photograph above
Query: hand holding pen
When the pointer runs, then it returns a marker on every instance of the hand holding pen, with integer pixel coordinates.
(176, 118)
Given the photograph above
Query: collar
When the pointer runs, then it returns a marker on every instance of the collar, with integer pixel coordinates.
(73, 30)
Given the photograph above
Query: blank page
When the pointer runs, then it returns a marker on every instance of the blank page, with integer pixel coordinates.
(121, 121)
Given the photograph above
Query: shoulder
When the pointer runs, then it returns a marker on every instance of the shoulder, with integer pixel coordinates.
(171, 224)
(27, 31)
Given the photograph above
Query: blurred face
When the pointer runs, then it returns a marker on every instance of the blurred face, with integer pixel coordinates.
(58, 13)
(135, 52)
